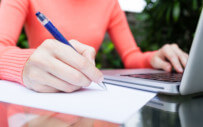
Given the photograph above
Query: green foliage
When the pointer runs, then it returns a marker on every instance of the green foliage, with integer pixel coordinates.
(107, 56)
(22, 41)
(167, 21)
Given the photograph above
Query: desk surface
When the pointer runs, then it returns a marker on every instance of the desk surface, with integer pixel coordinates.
(161, 111)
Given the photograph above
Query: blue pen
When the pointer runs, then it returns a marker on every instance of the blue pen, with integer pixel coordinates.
(57, 35)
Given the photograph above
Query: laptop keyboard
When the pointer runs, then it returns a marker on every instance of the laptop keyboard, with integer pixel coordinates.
(166, 77)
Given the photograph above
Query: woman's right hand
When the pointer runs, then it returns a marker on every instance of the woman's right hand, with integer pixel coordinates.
(56, 67)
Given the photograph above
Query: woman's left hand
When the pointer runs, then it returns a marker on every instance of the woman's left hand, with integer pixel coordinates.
(170, 55)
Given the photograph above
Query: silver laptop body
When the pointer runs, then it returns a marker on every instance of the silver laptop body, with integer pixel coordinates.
(192, 79)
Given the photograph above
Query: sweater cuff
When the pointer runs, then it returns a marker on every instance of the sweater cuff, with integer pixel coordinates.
(12, 62)
(149, 56)
(138, 59)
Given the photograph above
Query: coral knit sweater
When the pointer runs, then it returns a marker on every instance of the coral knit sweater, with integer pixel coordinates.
(84, 20)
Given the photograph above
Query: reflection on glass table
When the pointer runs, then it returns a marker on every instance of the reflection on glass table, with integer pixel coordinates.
(161, 111)
(20, 116)
(170, 111)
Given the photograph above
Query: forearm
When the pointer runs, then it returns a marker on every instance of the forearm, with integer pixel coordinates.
(138, 59)
(124, 41)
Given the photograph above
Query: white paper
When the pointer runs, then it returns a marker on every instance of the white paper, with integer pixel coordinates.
(117, 104)
(132, 5)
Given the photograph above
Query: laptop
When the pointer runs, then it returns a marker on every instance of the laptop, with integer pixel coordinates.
(190, 82)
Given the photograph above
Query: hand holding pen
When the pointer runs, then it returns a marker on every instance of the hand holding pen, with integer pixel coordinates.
(55, 67)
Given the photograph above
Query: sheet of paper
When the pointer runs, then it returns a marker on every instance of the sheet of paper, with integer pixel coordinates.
(132, 5)
(117, 104)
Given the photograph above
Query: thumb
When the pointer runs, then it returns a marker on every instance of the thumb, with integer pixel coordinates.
(85, 50)
(161, 64)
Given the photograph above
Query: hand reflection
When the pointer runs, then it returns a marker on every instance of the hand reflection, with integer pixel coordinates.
(21, 116)
(49, 121)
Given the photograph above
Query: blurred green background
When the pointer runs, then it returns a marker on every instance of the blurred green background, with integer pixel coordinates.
(161, 22)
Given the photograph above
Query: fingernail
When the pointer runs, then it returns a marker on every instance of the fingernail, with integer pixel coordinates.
(101, 80)
(180, 69)
(185, 61)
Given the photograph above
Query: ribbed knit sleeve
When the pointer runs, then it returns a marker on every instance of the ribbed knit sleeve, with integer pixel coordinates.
(12, 59)
(124, 42)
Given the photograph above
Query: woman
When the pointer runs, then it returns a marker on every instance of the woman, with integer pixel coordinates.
(50, 66)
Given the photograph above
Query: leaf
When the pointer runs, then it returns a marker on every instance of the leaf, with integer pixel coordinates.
(98, 65)
(194, 5)
(168, 15)
(176, 11)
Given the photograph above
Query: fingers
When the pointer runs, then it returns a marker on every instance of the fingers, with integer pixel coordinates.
(32, 81)
(67, 73)
(183, 57)
(48, 83)
(86, 51)
(58, 84)
(175, 56)
(77, 61)
(43, 88)
(171, 55)
(162, 64)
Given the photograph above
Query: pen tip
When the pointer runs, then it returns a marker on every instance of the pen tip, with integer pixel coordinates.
(103, 86)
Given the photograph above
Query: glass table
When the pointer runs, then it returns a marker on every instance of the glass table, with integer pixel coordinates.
(161, 111)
